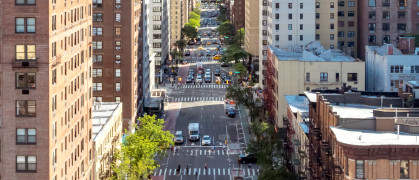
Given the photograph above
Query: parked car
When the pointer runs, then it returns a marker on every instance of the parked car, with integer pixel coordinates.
(208, 79)
(206, 140)
(187, 53)
(247, 158)
(198, 43)
(231, 113)
(178, 137)
(189, 79)
(223, 75)
(224, 64)
(202, 53)
(216, 72)
(214, 53)
(191, 71)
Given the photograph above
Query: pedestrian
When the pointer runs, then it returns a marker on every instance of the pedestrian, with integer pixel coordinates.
(213, 148)
(187, 169)
(175, 149)
(178, 170)
(171, 148)
(196, 172)
(224, 146)
(206, 166)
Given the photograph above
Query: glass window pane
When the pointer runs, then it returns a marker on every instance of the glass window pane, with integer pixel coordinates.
(30, 25)
(20, 80)
(30, 1)
(31, 108)
(20, 1)
(30, 49)
(20, 52)
(20, 159)
(20, 108)
(31, 79)
(20, 131)
(31, 159)
(21, 167)
(20, 25)
(31, 139)
(31, 132)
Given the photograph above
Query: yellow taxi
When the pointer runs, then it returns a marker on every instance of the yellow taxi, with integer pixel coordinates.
(217, 57)
(209, 43)
(200, 47)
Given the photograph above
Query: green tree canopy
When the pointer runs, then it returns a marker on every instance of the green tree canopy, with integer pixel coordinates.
(181, 44)
(194, 16)
(239, 67)
(136, 157)
(235, 53)
(240, 36)
(226, 29)
(190, 31)
(244, 96)
(193, 23)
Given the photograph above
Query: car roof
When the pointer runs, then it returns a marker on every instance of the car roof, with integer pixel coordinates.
(178, 132)
(206, 136)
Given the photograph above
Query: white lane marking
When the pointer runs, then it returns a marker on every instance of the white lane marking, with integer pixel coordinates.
(155, 172)
(248, 172)
(229, 171)
(218, 171)
(254, 174)
(224, 171)
(170, 172)
(160, 172)
(190, 169)
(203, 172)
(191, 152)
(200, 152)
(222, 152)
(218, 152)
(174, 172)
(205, 152)
(165, 171)
(257, 171)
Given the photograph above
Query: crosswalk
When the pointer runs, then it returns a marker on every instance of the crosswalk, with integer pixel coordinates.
(205, 152)
(188, 86)
(192, 99)
(204, 172)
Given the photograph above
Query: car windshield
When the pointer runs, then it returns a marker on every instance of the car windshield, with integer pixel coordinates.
(179, 136)
(194, 132)
(206, 138)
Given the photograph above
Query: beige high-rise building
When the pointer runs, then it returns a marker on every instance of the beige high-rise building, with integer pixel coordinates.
(46, 89)
(115, 55)
(178, 12)
(337, 26)
(251, 29)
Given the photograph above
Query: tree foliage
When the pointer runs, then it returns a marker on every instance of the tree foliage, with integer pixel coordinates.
(244, 96)
(181, 44)
(235, 53)
(190, 31)
(226, 29)
(193, 23)
(239, 67)
(267, 143)
(239, 36)
(194, 16)
(136, 160)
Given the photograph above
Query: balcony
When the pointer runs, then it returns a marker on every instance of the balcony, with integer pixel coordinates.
(25, 63)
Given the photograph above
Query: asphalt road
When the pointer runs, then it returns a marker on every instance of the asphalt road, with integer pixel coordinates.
(203, 104)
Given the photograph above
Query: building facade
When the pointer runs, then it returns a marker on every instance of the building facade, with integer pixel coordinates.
(177, 14)
(292, 73)
(361, 137)
(290, 23)
(147, 55)
(383, 22)
(337, 25)
(115, 67)
(251, 29)
(388, 68)
(46, 90)
(263, 39)
(107, 136)
(160, 35)
(238, 14)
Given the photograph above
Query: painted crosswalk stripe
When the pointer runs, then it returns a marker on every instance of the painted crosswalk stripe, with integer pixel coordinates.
(160, 172)
(209, 171)
(248, 172)
(205, 152)
(199, 172)
(203, 172)
(224, 171)
(218, 171)
(222, 152)
(229, 171)
(254, 174)
(190, 169)
(174, 172)
(257, 171)
(165, 171)
(200, 152)
(218, 152)
(191, 152)
(170, 172)
(155, 172)
(184, 171)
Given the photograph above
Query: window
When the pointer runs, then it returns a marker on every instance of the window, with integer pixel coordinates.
(341, 3)
(351, 3)
(386, 14)
(332, 5)
(289, 37)
(371, 3)
(97, 44)
(317, 5)
(117, 87)
(97, 3)
(341, 34)
(341, 23)
(351, 44)
(371, 14)
(289, 5)
(301, 16)
(414, 69)
(317, 15)
(25, 2)
(290, 16)
(317, 26)
(156, 45)
(118, 31)
(386, 26)
(156, 36)
(337, 77)
(264, 22)
(54, 49)
(301, 27)
(276, 16)
(156, 9)
(25, 163)
(301, 37)
(386, 3)
(54, 23)
(265, 42)
(371, 26)
(276, 28)
(341, 13)
(341, 44)
(118, 44)
(289, 26)
(97, 17)
(118, 17)
(396, 83)
(25, 80)
(352, 76)
(117, 72)
(371, 38)
(332, 46)
(97, 58)
(97, 72)
(396, 69)
(359, 169)
(156, 18)
(276, 37)
(317, 36)
(25, 52)
(156, 26)
(332, 37)
(404, 169)
(117, 99)
(351, 34)
(97, 86)
(307, 77)
(401, 27)
(25, 25)
(401, 2)
(351, 13)
(25, 108)
(386, 39)
(25, 136)
(277, 5)
(323, 76)
(351, 23)
(97, 31)
(332, 26)
(401, 14)
(332, 15)
(301, 5)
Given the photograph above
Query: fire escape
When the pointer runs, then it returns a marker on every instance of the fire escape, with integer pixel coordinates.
(269, 88)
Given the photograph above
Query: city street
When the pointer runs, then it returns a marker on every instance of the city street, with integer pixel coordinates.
(204, 104)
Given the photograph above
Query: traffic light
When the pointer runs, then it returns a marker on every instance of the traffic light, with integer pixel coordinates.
(179, 79)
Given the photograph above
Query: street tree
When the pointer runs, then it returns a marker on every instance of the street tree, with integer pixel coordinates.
(193, 23)
(197, 11)
(268, 147)
(239, 67)
(136, 159)
(194, 16)
(244, 96)
(235, 53)
(239, 36)
(181, 44)
(190, 31)
(226, 29)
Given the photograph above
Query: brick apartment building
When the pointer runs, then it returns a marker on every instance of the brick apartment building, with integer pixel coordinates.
(238, 14)
(383, 22)
(356, 136)
(115, 54)
(46, 89)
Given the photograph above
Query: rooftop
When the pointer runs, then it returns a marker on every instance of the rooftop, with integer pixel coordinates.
(297, 103)
(311, 52)
(383, 50)
(354, 110)
(413, 84)
(373, 138)
(101, 115)
(312, 97)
